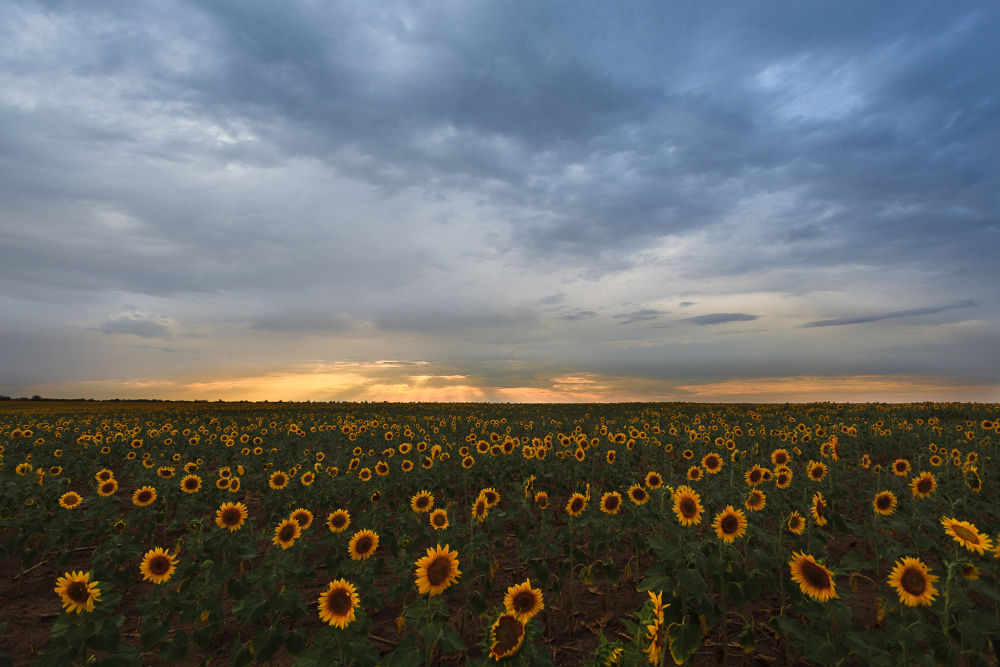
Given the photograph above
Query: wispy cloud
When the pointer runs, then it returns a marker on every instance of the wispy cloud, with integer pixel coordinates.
(864, 319)
(134, 326)
(720, 318)
(643, 315)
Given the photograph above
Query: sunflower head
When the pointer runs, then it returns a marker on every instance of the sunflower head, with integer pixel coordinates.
(913, 582)
(819, 509)
(231, 516)
(78, 593)
(278, 480)
(687, 506)
(542, 499)
(337, 603)
(439, 519)
(524, 601)
(814, 579)
(901, 467)
(730, 524)
(303, 517)
(437, 570)
(653, 480)
(422, 502)
(576, 504)
(923, 485)
(70, 500)
(286, 533)
(338, 521)
(506, 636)
(884, 503)
(755, 500)
(638, 494)
(796, 524)
(158, 565)
(363, 544)
(967, 535)
(611, 502)
(107, 489)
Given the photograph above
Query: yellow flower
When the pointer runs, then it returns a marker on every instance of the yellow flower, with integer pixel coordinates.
(730, 524)
(523, 600)
(913, 582)
(363, 544)
(286, 533)
(422, 502)
(144, 496)
(687, 506)
(70, 500)
(78, 593)
(611, 502)
(437, 570)
(231, 516)
(576, 504)
(338, 521)
(506, 636)
(158, 565)
(967, 535)
(337, 603)
(815, 580)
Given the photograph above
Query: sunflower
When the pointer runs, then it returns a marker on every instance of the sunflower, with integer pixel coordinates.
(191, 484)
(190, 467)
(866, 462)
(78, 593)
(936, 461)
(491, 497)
(234, 484)
(638, 495)
(439, 519)
(611, 502)
(542, 499)
(923, 485)
(337, 603)
(107, 489)
(144, 496)
(754, 476)
(437, 570)
(524, 601)
(712, 463)
(653, 480)
(656, 632)
(467, 462)
(779, 457)
(913, 582)
(818, 509)
(158, 565)
(815, 580)
(365, 474)
(783, 479)
(279, 480)
(577, 503)
(796, 524)
(967, 535)
(303, 517)
(308, 478)
(338, 521)
(286, 533)
(901, 467)
(506, 636)
(611, 456)
(363, 544)
(687, 506)
(382, 468)
(479, 510)
(427, 463)
(817, 470)
(969, 571)
(422, 502)
(104, 475)
(755, 500)
(70, 500)
(231, 516)
(730, 524)
(694, 473)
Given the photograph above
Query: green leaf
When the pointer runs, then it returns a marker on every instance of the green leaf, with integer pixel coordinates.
(451, 640)
(611, 572)
(821, 652)
(656, 579)
(241, 655)
(266, 641)
(176, 649)
(296, 641)
(542, 573)
(684, 641)
(202, 636)
(238, 588)
(478, 603)
(152, 632)
(692, 580)
(406, 654)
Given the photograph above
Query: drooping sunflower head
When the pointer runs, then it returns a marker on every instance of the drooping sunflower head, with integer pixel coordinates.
(78, 593)
(913, 582)
(885, 503)
(818, 509)
(422, 502)
(363, 544)
(611, 502)
(796, 524)
(576, 504)
(303, 517)
(158, 565)
(730, 524)
(166, 472)
(337, 603)
(687, 506)
(231, 516)
(338, 521)
(542, 499)
(437, 570)
(506, 636)
(967, 535)
(524, 601)
(814, 579)
(286, 533)
(638, 494)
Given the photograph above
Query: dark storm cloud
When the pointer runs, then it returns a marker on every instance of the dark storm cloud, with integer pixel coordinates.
(639, 315)
(720, 318)
(864, 319)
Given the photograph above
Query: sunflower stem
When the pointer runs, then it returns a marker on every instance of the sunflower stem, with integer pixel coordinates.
(725, 624)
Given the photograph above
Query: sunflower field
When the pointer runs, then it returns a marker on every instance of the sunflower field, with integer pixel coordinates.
(401, 535)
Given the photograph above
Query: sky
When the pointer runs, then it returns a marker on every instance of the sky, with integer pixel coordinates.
(500, 200)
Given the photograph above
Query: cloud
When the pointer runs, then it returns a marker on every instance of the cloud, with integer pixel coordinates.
(640, 315)
(685, 304)
(720, 318)
(577, 314)
(864, 319)
(134, 326)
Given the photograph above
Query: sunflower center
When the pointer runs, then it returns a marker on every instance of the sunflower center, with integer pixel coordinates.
(780, 459)
(301, 518)
(577, 505)
(688, 507)
(279, 480)
(755, 476)
(423, 501)
(231, 516)
(338, 521)
(913, 581)
(966, 534)
(506, 635)
(524, 601)
(339, 603)
(816, 575)
(730, 524)
(144, 496)
(439, 519)
(925, 485)
(364, 545)
(438, 571)
(820, 507)
(611, 503)
(287, 533)
(78, 592)
(191, 484)
(159, 565)
(883, 502)
(817, 472)
(108, 487)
